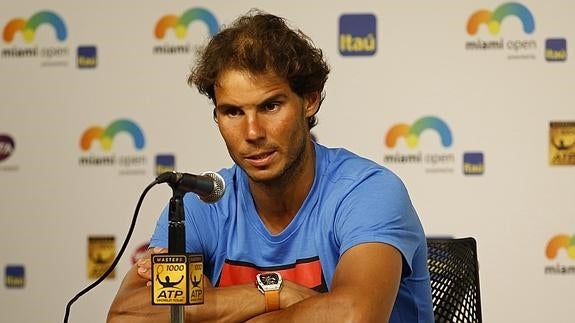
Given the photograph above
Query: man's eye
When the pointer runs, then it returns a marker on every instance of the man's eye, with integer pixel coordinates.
(232, 112)
(272, 106)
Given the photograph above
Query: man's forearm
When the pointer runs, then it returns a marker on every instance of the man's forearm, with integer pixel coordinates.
(319, 308)
(229, 304)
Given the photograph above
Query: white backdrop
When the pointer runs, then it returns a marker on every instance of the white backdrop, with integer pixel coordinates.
(418, 63)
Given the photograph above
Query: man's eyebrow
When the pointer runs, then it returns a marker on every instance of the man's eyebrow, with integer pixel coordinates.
(275, 97)
(225, 106)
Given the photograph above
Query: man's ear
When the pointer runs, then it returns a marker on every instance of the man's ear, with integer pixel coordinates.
(312, 101)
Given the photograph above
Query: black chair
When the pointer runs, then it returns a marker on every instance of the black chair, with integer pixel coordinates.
(454, 272)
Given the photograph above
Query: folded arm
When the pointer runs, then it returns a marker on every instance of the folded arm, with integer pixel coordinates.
(364, 288)
(132, 303)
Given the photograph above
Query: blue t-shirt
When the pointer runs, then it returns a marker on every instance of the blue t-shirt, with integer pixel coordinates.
(352, 201)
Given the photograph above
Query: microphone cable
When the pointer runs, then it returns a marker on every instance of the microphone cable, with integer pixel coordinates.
(118, 256)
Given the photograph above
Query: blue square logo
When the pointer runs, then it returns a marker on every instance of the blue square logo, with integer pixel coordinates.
(357, 35)
(87, 57)
(14, 277)
(556, 50)
(165, 163)
(473, 163)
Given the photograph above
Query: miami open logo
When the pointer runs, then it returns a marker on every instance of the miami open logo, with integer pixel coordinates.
(411, 133)
(27, 30)
(557, 245)
(494, 19)
(106, 137)
(179, 25)
(27, 27)
(436, 160)
(493, 22)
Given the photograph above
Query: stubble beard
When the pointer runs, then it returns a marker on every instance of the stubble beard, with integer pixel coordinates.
(290, 172)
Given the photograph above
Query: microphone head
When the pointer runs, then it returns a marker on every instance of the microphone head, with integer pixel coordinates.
(219, 188)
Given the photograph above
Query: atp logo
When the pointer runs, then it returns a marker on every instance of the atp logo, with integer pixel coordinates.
(494, 19)
(180, 24)
(28, 27)
(411, 133)
(106, 135)
(561, 241)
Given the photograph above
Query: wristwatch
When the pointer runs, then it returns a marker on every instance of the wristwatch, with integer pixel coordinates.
(270, 284)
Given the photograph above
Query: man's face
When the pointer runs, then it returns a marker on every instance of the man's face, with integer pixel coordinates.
(264, 124)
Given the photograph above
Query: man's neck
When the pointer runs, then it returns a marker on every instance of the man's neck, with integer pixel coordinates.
(278, 203)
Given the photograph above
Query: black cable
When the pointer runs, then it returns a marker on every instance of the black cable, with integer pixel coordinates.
(118, 256)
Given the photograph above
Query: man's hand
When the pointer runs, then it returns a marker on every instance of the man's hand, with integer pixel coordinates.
(292, 293)
(144, 264)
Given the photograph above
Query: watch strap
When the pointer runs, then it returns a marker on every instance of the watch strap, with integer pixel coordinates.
(272, 300)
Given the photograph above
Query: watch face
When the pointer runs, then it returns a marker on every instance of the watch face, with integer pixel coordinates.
(269, 278)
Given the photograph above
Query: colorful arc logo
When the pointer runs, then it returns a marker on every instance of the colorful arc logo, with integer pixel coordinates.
(413, 132)
(494, 19)
(28, 27)
(180, 24)
(106, 136)
(561, 241)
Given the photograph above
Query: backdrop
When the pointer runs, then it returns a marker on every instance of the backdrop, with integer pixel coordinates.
(470, 102)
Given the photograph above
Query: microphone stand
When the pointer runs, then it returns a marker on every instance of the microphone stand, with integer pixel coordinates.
(176, 240)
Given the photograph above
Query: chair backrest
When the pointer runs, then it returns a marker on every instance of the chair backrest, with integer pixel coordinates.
(454, 273)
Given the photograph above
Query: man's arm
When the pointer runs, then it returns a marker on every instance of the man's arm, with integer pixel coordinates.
(133, 302)
(364, 288)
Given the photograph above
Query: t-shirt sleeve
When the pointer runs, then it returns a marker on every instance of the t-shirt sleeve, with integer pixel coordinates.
(378, 209)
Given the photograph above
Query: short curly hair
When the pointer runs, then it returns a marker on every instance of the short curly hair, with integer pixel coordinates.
(262, 43)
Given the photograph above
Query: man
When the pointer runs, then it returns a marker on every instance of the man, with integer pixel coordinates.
(340, 229)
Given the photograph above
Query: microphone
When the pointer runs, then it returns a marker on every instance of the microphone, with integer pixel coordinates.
(209, 186)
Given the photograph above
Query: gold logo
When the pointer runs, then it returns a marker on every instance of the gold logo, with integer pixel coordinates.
(562, 143)
(101, 253)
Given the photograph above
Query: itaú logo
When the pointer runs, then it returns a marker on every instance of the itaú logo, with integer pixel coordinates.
(357, 35)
